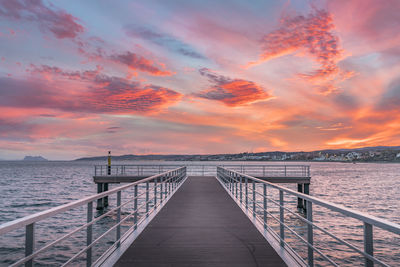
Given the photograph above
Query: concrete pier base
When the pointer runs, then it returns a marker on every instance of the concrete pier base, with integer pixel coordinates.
(307, 192)
(300, 200)
(105, 200)
(305, 189)
(102, 202)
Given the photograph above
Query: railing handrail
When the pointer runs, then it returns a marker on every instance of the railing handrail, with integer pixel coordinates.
(24, 221)
(373, 220)
(286, 170)
(209, 165)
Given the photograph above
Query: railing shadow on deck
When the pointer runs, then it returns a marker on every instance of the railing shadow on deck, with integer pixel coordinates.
(242, 188)
(158, 190)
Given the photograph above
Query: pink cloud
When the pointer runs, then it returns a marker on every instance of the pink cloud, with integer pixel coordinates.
(232, 92)
(137, 62)
(314, 35)
(58, 22)
(84, 91)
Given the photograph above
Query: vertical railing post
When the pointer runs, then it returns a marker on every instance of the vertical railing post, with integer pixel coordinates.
(29, 242)
(241, 190)
(169, 183)
(166, 186)
(281, 218)
(147, 199)
(236, 185)
(368, 244)
(254, 198)
(161, 188)
(246, 193)
(310, 238)
(155, 193)
(265, 205)
(285, 170)
(118, 218)
(263, 171)
(89, 234)
(135, 217)
(172, 182)
(231, 182)
(175, 181)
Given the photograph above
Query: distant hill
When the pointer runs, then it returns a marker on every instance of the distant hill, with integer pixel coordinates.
(142, 157)
(34, 158)
(377, 153)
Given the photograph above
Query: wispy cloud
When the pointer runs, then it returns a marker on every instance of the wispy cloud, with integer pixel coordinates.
(162, 39)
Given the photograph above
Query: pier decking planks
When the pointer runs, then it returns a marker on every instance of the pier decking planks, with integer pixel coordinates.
(200, 226)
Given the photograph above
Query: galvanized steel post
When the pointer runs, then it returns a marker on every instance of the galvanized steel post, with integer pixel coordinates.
(281, 218)
(265, 205)
(118, 218)
(310, 238)
(246, 193)
(89, 234)
(147, 199)
(368, 244)
(254, 198)
(29, 242)
(135, 202)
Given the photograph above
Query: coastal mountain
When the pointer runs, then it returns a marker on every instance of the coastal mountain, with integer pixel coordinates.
(363, 154)
(34, 158)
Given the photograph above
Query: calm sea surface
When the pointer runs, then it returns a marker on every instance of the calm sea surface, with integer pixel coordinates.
(29, 187)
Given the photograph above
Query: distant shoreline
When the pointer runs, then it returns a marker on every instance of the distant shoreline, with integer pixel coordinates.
(249, 161)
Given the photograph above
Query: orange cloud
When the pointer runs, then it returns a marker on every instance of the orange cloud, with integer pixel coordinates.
(232, 92)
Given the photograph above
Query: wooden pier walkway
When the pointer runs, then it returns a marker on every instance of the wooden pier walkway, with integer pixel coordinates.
(200, 226)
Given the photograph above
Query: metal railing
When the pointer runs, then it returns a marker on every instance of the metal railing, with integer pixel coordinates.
(277, 170)
(158, 188)
(242, 188)
(272, 170)
(133, 170)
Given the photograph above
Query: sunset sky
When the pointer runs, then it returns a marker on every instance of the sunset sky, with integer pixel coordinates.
(79, 78)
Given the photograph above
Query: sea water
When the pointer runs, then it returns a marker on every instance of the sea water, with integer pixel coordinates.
(30, 187)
